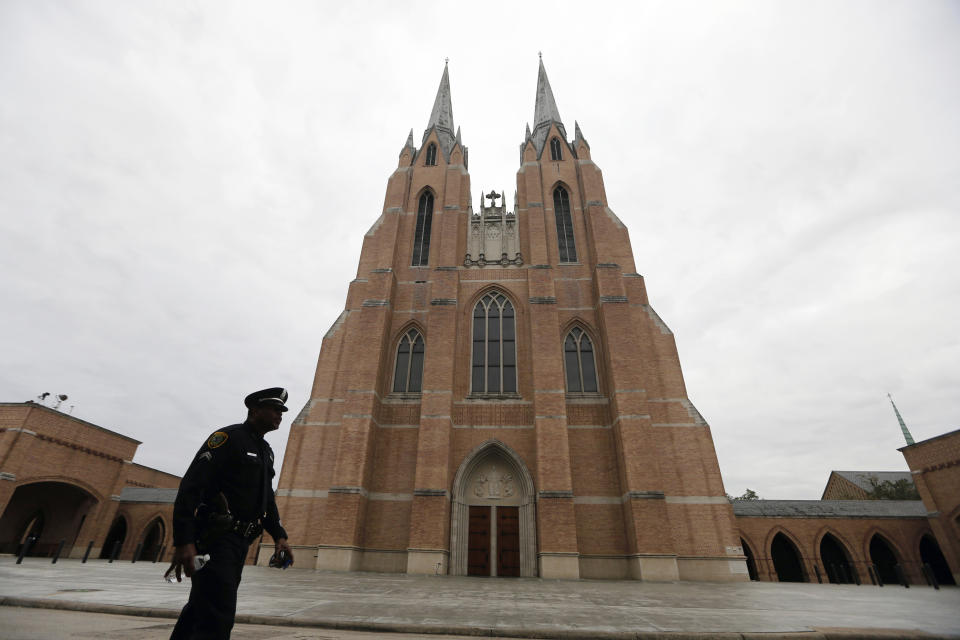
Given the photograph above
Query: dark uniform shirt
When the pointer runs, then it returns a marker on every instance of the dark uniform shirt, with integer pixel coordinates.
(237, 462)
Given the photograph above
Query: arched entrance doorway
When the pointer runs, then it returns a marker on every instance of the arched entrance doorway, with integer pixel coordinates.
(884, 559)
(836, 560)
(786, 560)
(117, 533)
(930, 554)
(493, 519)
(751, 562)
(45, 513)
(152, 540)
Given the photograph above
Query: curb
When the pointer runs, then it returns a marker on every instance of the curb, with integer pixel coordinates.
(504, 632)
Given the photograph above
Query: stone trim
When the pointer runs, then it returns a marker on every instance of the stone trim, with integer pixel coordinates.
(443, 302)
(697, 500)
(375, 303)
(607, 265)
(493, 426)
(593, 203)
(383, 270)
(348, 490)
(555, 494)
(18, 430)
(447, 269)
(535, 204)
(617, 299)
(301, 493)
(6, 475)
(390, 497)
(543, 300)
(646, 495)
(540, 266)
(431, 492)
(664, 329)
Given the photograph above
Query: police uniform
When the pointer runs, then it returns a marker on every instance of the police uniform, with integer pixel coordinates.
(237, 463)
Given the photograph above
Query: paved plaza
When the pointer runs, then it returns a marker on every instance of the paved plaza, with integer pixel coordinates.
(526, 607)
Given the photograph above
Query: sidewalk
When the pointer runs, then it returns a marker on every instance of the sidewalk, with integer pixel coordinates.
(526, 607)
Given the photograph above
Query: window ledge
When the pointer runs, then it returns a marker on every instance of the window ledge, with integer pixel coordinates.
(586, 398)
(495, 397)
(402, 398)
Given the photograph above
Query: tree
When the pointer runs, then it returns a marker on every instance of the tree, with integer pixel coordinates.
(901, 489)
(749, 494)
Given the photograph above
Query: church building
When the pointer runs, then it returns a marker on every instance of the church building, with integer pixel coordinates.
(499, 397)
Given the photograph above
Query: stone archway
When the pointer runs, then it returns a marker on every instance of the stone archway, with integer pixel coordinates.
(152, 540)
(46, 513)
(786, 559)
(493, 519)
(836, 560)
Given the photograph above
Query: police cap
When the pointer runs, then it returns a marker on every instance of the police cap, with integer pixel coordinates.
(274, 395)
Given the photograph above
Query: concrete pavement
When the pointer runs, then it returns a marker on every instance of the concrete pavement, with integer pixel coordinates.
(526, 607)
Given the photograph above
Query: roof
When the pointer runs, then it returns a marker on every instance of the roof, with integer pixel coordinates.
(829, 509)
(36, 405)
(862, 478)
(142, 494)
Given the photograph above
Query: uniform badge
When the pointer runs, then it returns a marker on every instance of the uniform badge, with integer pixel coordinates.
(206, 455)
(216, 440)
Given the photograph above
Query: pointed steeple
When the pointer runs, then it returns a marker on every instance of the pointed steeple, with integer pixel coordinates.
(545, 112)
(409, 140)
(903, 425)
(441, 118)
(578, 135)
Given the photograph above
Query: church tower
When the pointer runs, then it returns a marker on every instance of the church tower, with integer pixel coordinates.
(498, 396)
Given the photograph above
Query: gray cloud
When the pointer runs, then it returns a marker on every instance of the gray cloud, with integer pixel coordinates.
(184, 191)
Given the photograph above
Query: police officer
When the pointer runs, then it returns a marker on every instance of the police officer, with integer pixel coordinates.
(225, 501)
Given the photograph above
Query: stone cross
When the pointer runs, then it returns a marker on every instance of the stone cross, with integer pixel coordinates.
(493, 196)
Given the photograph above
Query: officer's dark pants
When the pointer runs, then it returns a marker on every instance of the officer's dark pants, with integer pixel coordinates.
(208, 614)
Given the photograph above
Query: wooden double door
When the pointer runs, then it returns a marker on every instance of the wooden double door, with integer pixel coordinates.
(494, 533)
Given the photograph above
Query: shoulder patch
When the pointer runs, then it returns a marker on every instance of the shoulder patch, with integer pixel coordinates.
(217, 439)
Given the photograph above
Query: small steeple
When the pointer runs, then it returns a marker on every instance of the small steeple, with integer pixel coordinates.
(578, 135)
(409, 140)
(441, 118)
(903, 425)
(526, 136)
(545, 112)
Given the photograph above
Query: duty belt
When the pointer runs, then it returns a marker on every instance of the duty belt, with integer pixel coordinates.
(246, 529)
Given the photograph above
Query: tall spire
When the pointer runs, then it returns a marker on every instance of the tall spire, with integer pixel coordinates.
(545, 112)
(441, 117)
(903, 425)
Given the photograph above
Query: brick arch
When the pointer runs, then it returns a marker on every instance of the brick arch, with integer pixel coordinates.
(149, 520)
(768, 541)
(752, 546)
(425, 189)
(887, 538)
(847, 545)
(75, 482)
(798, 547)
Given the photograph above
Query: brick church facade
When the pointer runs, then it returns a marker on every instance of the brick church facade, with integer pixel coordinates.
(499, 397)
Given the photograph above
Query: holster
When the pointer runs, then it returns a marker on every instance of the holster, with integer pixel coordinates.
(213, 523)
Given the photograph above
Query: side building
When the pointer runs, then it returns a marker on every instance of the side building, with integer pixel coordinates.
(65, 480)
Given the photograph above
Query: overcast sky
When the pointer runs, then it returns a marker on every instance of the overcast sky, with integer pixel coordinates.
(184, 188)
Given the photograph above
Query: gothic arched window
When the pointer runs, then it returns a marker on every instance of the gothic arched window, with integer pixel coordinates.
(431, 155)
(555, 150)
(494, 346)
(408, 373)
(561, 209)
(579, 361)
(421, 237)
